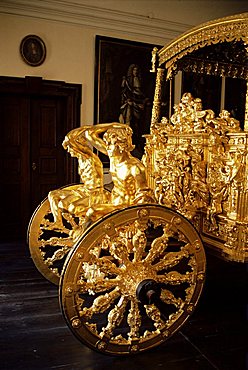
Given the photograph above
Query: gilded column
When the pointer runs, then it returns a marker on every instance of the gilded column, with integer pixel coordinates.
(246, 110)
(156, 109)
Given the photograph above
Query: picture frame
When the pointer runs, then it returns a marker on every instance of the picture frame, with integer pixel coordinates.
(33, 50)
(115, 60)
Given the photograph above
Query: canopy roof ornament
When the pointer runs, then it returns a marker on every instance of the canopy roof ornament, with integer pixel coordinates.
(233, 28)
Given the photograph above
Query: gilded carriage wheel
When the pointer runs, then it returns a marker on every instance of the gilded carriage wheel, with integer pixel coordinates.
(50, 244)
(133, 279)
(48, 247)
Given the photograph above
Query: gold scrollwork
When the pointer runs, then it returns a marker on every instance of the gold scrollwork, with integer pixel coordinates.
(105, 286)
(199, 165)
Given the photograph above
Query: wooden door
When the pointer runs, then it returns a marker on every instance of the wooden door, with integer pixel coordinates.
(35, 115)
(14, 165)
(47, 157)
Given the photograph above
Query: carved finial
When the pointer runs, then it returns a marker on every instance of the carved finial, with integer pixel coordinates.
(154, 59)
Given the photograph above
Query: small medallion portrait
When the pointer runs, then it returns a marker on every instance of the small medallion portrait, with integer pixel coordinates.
(33, 50)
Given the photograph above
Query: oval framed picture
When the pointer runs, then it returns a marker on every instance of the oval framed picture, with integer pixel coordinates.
(33, 50)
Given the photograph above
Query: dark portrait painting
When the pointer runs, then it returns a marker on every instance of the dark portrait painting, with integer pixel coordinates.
(124, 85)
(33, 50)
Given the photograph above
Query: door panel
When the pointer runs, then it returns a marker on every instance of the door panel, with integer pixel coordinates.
(14, 166)
(47, 154)
(35, 115)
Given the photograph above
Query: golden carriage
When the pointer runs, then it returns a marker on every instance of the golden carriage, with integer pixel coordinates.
(130, 261)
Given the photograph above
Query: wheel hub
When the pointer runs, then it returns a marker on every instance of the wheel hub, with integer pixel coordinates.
(132, 276)
(148, 291)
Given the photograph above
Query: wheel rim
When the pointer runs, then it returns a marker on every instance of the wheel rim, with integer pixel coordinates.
(48, 247)
(48, 244)
(98, 287)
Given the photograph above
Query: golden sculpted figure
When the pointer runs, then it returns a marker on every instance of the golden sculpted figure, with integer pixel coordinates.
(68, 211)
(79, 196)
(128, 173)
(89, 200)
(154, 59)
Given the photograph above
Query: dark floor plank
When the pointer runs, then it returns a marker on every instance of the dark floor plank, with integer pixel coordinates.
(34, 335)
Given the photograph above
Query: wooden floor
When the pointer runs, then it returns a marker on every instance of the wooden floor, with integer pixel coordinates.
(33, 333)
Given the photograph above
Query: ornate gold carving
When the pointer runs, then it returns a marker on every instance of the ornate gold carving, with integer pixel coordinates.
(224, 29)
(154, 59)
(149, 243)
(211, 67)
(199, 165)
(246, 106)
(68, 211)
(157, 96)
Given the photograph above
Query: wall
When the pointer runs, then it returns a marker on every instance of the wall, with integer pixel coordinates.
(68, 29)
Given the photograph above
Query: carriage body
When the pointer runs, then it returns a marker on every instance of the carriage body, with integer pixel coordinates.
(204, 176)
(218, 203)
(130, 263)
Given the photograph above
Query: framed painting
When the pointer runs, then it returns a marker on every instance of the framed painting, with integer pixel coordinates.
(33, 50)
(124, 86)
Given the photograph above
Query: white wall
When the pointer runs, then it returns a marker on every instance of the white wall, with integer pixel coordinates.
(70, 54)
(181, 11)
(69, 28)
